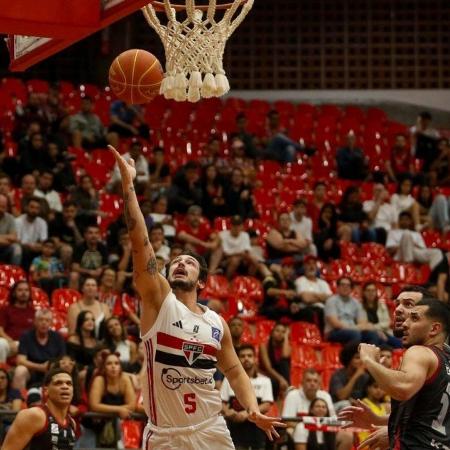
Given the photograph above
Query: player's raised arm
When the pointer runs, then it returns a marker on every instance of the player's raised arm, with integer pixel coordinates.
(151, 286)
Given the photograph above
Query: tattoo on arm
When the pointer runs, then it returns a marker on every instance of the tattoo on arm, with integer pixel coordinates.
(152, 266)
(231, 368)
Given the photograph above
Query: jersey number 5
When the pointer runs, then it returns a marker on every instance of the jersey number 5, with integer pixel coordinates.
(438, 424)
(190, 402)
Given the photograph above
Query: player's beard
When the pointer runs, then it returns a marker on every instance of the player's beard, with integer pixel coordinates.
(182, 285)
(398, 332)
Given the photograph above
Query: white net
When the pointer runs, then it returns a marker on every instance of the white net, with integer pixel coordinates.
(194, 48)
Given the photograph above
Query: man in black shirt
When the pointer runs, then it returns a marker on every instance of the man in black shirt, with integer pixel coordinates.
(48, 426)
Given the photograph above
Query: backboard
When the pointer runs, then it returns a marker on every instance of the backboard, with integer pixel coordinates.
(38, 29)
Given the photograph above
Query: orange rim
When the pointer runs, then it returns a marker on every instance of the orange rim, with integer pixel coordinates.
(159, 6)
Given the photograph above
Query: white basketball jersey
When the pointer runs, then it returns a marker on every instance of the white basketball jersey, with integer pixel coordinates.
(180, 356)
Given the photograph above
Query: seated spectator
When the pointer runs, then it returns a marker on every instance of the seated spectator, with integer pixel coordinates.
(33, 156)
(88, 302)
(350, 160)
(141, 165)
(186, 190)
(424, 140)
(111, 392)
(439, 279)
(381, 215)
(64, 177)
(317, 202)
(159, 215)
(6, 189)
(400, 163)
(51, 197)
(313, 293)
(440, 168)
(86, 197)
(212, 193)
(211, 157)
(26, 191)
(46, 270)
(9, 251)
(124, 265)
(378, 314)
(240, 159)
(242, 133)
(279, 291)
(434, 210)
(238, 196)
(89, 258)
(403, 201)
(117, 341)
(407, 245)
(65, 231)
(375, 399)
(195, 232)
(353, 215)
(275, 358)
(310, 439)
(159, 172)
(283, 242)
(302, 224)
(10, 398)
(345, 318)
(328, 235)
(37, 348)
(82, 343)
(16, 317)
(107, 289)
(348, 384)
(31, 232)
(127, 121)
(236, 326)
(245, 434)
(86, 128)
(158, 241)
(234, 251)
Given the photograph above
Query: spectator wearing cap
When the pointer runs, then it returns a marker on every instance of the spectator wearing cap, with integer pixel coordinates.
(186, 189)
(302, 224)
(313, 293)
(234, 251)
(345, 318)
(195, 232)
(141, 165)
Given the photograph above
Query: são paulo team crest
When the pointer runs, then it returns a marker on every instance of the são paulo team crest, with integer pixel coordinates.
(192, 351)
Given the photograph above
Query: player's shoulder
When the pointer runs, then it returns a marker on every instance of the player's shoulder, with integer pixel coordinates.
(421, 352)
(34, 418)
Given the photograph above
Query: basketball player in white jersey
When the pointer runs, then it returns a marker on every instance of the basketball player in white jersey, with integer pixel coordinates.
(184, 342)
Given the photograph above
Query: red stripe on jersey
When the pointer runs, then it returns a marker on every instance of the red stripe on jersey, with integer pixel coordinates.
(173, 342)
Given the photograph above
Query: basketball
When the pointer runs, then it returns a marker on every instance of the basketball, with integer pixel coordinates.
(135, 76)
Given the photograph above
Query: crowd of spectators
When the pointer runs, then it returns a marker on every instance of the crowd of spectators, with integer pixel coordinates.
(50, 225)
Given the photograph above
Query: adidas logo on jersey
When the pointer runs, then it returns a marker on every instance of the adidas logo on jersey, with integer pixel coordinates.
(178, 324)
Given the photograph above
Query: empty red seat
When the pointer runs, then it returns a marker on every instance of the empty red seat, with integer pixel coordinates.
(38, 86)
(305, 333)
(4, 295)
(217, 286)
(330, 357)
(39, 298)
(10, 274)
(62, 298)
(304, 356)
(263, 330)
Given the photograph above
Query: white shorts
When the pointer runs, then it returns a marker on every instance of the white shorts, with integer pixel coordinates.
(197, 437)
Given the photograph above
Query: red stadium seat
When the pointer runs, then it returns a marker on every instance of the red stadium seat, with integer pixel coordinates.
(305, 333)
(62, 298)
(222, 223)
(330, 357)
(38, 86)
(263, 330)
(4, 296)
(10, 274)
(304, 356)
(217, 286)
(39, 298)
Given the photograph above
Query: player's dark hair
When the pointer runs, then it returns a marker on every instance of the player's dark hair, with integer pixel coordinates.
(53, 372)
(438, 311)
(203, 274)
(246, 347)
(426, 294)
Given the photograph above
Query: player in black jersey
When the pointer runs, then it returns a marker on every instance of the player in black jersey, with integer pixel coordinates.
(48, 426)
(420, 388)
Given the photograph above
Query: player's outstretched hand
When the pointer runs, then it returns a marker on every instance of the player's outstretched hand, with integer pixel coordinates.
(359, 415)
(127, 168)
(267, 424)
(378, 440)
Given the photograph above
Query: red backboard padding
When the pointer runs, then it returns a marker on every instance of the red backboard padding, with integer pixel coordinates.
(50, 18)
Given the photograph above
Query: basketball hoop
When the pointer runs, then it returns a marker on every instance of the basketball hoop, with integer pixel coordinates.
(194, 47)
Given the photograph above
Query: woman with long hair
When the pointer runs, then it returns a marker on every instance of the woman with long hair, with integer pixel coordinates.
(81, 345)
(326, 237)
(403, 200)
(275, 357)
(213, 200)
(315, 440)
(378, 314)
(117, 341)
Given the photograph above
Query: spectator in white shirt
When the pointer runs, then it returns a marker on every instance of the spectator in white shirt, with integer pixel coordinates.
(381, 214)
(302, 224)
(31, 231)
(407, 245)
(141, 164)
(235, 250)
(403, 200)
(46, 192)
(9, 249)
(298, 402)
(313, 292)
